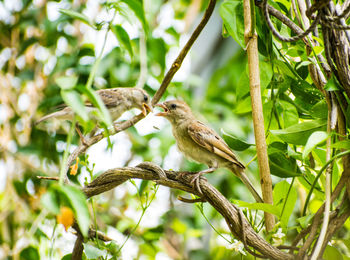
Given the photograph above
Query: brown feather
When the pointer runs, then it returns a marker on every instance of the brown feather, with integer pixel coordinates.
(110, 97)
(207, 138)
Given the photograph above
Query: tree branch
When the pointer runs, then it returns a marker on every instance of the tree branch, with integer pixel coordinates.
(178, 61)
(239, 226)
(251, 41)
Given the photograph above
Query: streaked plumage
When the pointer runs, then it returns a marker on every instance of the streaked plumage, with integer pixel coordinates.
(201, 143)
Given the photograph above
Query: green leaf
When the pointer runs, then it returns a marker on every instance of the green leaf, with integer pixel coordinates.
(258, 206)
(332, 253)
(74, 100)
(288, 112)
(299, 133)
(281, 165)
(29, 253)
(66, 83)
(78, 16)
(67, 257)
(243, 85)
(95, 99)
(137, 7)
(231, 12)
(278, 170)
(319, 110)
(78, 202)
(318, 50)
(123, 38)
(284, 68)
(303, 63)
(315, 139)
(92, 252)
(235, 143)
(50, 201)
(306, 95)
(143, 186)
(344, 144)
(332, 84)
(285, 204)
(266, 74)
(243, 106)
(305, 221)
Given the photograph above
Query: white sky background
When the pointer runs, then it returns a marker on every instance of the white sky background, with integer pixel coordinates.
(120, 153)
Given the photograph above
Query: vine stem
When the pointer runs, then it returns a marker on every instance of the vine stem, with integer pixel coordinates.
(251, 41)
(332, 119)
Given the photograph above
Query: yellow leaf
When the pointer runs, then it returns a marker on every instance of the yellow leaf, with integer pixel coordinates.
(66, 217)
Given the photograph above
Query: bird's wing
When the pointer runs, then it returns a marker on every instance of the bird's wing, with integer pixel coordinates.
(110, 97)
(210, 140)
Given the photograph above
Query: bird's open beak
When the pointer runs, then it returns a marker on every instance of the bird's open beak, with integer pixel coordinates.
(145, 109)
(166, 110)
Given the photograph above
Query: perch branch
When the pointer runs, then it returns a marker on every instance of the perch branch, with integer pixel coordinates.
(239, 226)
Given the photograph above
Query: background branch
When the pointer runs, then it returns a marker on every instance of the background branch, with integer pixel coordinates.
(178, 61)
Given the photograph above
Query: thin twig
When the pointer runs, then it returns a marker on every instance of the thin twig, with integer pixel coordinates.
(178, 61)
(48, 178)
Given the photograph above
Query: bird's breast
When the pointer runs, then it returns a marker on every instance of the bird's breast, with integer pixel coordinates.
(116, 112)
(191, 149)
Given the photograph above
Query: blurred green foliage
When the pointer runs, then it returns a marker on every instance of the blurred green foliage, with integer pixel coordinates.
(48, 52)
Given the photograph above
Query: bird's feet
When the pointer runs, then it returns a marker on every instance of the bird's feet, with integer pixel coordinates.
(196, 178)
(195, 181)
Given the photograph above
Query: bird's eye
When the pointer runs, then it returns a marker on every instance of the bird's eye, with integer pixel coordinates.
(173, 106)
(145, 98)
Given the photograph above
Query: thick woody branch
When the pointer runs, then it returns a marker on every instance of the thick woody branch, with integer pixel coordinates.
(78, 245)
(239, 226)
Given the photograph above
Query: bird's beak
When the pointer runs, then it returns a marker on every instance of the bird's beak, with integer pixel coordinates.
(145, 109)
(166, 110)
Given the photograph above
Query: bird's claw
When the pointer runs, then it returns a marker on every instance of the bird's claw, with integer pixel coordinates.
(195, 179)
(195, 182)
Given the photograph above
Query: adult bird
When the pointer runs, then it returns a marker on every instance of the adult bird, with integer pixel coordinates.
(202, 144)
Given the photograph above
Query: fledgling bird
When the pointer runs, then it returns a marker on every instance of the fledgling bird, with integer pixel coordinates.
(116, 100)
(201, 143)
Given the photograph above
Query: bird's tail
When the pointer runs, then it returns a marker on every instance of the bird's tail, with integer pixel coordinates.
(62, 114)
(238, 171)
